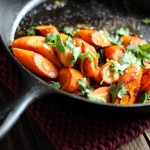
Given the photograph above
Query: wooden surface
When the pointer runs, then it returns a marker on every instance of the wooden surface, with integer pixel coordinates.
(26, 135)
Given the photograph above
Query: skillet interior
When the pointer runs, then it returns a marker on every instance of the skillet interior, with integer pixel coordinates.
(96, 14)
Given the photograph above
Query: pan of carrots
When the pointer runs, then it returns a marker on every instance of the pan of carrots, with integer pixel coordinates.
(95, 53)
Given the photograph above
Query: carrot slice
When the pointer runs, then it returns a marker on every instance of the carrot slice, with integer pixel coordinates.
(114, 52)
(102, 92)
(133, 40)
(36, 63)
(145, 81)
(38, 45)
(107, 76)
(46, 29)
(68, 78)
(93, 37)
(131, 80)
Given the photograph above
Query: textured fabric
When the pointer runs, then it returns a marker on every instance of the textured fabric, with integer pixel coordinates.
(67, 130)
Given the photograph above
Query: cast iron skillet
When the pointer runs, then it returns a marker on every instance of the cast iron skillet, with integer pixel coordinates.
(16, 16)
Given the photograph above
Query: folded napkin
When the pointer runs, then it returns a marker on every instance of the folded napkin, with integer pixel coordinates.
(68, 130)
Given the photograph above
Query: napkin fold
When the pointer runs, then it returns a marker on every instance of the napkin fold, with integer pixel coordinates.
(68, 130)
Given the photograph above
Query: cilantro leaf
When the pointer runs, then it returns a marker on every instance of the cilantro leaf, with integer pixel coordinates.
(128, 58)
(55, 84)
(122, 31)
(116, 67)
(96, 99)
(144, 97)
(56, 41)
(146, 20)
(70, 31)
(31, 31)
(117, 91)
(70, 44)
(83, 87)
(114, 39)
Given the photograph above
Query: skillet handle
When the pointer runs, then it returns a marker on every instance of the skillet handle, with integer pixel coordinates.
(11, 112)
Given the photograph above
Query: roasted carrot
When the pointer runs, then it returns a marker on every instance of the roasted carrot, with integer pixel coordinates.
(89, 64)
(46, 29)
(145, 81)
(114, 52)
(63, 37)
(36, 63)
(133, 40)
(68, 78)
(106, 75)
(38, 45)
(102, 92)
(97, 77)
(131, 79)
(93, 37)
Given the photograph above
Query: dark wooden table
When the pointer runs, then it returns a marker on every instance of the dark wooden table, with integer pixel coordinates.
(26, 135)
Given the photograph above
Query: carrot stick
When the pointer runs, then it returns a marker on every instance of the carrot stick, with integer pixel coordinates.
(68, 78)
(107, 76)
(46, 29)
(133, 40)
(131, 80)
(36, 63)
(114, 52)
(93, 37)
(38, 45)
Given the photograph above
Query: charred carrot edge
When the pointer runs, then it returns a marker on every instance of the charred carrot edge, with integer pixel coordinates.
(102, 92)
(36, 63)
(93, 37)
(68, 78)
(131, 80)
(46, 29)
(114, 52)
(38, 45)
(127, 40)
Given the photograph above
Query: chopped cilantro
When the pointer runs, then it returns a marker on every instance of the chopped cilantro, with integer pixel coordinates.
(122, 31)
(146, 20)
(128, 58)
(144, 97)
(83, 87)
(116, 67)
(96, 99)
(55, 84)
(56, 41)
(31, 31)
(114, 39)
(117, 91)
(70, 31)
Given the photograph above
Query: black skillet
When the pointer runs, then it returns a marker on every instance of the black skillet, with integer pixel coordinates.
(17, 15)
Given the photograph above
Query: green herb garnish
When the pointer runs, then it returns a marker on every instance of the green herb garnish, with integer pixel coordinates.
(70, 31)
(31, 31)
(122, 31)
(144, 97)
(146, 20)
(55, 84)
(117, 91)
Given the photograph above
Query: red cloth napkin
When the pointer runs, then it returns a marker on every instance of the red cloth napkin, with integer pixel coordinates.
(66, 129)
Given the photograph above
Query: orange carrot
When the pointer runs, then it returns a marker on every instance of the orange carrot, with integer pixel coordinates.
(93, 37)
(46, 29)
(89, 64)
(133, 40)
(97, 77)
(36, 63)
(114, 52)
(145, 81)
(38, 45)
(63, 37)
(102, 92)
(68, 78)
(107, 76)
(131, 79)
